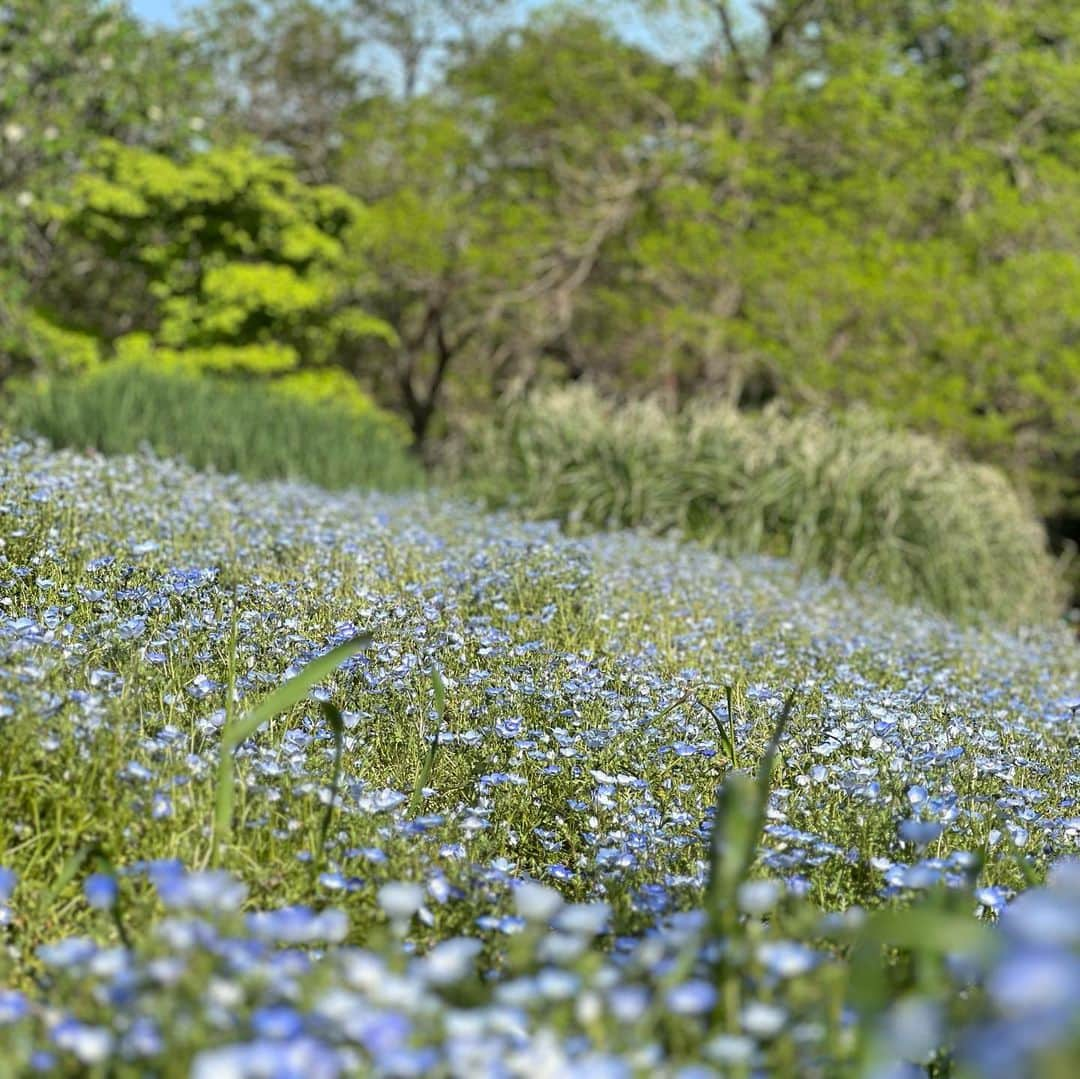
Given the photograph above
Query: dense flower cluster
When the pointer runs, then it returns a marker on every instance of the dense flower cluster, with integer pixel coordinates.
(541, 911)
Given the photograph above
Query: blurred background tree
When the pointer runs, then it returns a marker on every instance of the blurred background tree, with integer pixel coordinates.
(223, 262)
(73, 72)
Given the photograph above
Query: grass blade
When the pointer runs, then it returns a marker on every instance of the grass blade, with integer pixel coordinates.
(740, 817)
(292, 691)
(332, 716)
(727, 743)
(423, 777)
(280, 700)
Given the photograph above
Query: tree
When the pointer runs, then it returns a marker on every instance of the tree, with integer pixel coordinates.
(882, 207)
(287, 74)
(421, 35)
(441, 269)
(501, 206)
(224, 261)
(71, 72)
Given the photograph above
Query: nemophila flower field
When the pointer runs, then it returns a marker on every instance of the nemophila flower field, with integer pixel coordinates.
(607, 806)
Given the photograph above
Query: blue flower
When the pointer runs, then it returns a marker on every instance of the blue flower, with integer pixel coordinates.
(13, 1006)
(691, 998)
(278, 1022)
(8, 879)
(101, 891)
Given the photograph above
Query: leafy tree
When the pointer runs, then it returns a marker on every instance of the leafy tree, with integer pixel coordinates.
(420, 35)
(224, 261)
(881, 206)
(500, 208)
(287, 74)
(441, 268)
(71, 72)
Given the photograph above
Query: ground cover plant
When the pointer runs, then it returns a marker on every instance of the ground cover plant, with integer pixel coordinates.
(310, 425)
(606, 805)
(841, 494)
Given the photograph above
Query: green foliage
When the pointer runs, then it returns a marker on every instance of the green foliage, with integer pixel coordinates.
(843, 496)
(238, 730)
(226, 260)
(249, 428)
(878, 204)
(72, 72)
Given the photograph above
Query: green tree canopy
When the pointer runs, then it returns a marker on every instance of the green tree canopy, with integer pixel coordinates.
(224, 260)
(72, 72)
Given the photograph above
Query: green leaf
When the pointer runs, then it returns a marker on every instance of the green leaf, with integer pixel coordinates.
(423, 777)
(280, 700)
(292, 691)
(333, 717)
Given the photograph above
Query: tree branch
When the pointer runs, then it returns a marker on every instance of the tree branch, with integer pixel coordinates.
(727, 27)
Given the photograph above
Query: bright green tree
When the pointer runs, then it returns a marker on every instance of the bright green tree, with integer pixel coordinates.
(224, 261)
(72, 72)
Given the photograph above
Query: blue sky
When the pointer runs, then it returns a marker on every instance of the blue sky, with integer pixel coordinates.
(161, 11)
(669, 37)
(165, 11)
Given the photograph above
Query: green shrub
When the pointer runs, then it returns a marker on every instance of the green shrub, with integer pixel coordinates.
(840, 495)
(254, 429)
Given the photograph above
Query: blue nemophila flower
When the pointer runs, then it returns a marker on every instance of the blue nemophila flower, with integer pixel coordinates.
(691, 998)
(451, 960)
(277, 1023)
(142, 1039)
(561, 948)
(384, 1035)
(400, 900)
(758, 896)
(919, 832)
(13, 1006)
(787, 959)
(628, 1003)
(89, 1044)
(100, 890)
(536, 902)
(299, 1058)
(8, 879)
(1038, 984)
(1043, 917)
(67, 953)
(42, 1062)
(210, 890)
(340, 882)
(730, 1050)
(992, 898)
(585, 919)
(763, 1020)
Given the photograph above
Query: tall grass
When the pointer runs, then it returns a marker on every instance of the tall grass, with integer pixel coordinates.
(839, 495)
(229, 427)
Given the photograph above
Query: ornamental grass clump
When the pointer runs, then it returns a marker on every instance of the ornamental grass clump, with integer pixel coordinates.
(841, 496)
(261, 430)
